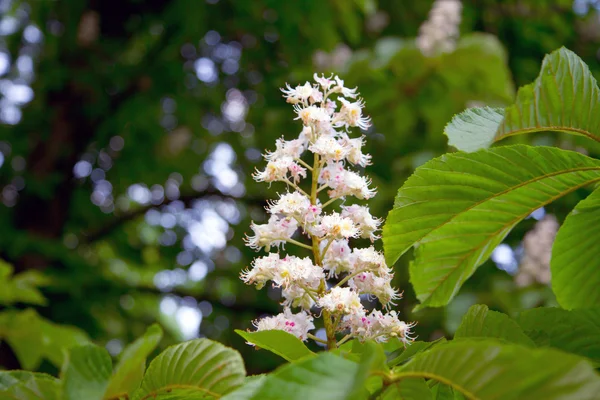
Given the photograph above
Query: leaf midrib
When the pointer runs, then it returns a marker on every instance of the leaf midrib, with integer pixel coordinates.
(521, 184)
(565, 129)
(462, 259)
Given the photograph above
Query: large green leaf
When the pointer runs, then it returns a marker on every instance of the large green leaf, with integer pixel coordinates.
(34, 338)
(282, 343)
(132, 364)
(574, 331)
(198, 369)
(86, 373)
(485, 369)
(24, 385)
(479, 321)
(575, 255)
(457, 208)
(563, 98)
(325, 376)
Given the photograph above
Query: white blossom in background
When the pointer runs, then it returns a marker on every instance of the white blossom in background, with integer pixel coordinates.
(537, 248)
(329, 284)
(441, 30)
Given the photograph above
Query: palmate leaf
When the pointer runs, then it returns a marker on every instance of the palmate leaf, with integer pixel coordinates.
(481, 322)
(457, 208)
(564, 98)
(282, 343)
(198, 369)
(485, 369)
(575, 262)
(574, 331)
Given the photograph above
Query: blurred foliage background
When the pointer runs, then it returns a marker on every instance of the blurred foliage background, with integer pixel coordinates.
(129, 131)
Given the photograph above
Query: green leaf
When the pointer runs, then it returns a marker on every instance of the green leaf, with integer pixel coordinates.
(479, 321)
(324, 376)
(485, 369)
(399, 357)
(86, 373)
(457, 208)
(474, 128)
(34, 338)
(563, 98)
(198, 369)
(21, 288)
(24, 385)
(442, 392)
(252, 385)
(575, 331)
(132, 364)
(282, 343)
(575, 272)
(408, 389)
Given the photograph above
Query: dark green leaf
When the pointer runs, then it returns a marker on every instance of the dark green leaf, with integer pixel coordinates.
(408, 389)
(486, 369)
(479, 321)
(574, 331)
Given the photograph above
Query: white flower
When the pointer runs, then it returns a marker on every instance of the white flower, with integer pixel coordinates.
(274, 233)
(338, 257)
(299, 94)
(329, 148)
(380, 287)
(345, 183)
(337, 227)
(292, 148)
(312, 114)
(354, 146)
(439, 33)
(370, 260)
(297, 324)
(341, 300)
(351, 115)
(379, 327)
(325, 83)
(340, 88)
(263, 270)
(361, 216)
(296, 205)
(278, 170)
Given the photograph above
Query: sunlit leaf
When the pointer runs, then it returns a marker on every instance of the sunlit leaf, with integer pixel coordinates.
(282, 343)
(132, 364)
(86, 373)
(459, 207)
(563, 98)
(198, 369)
